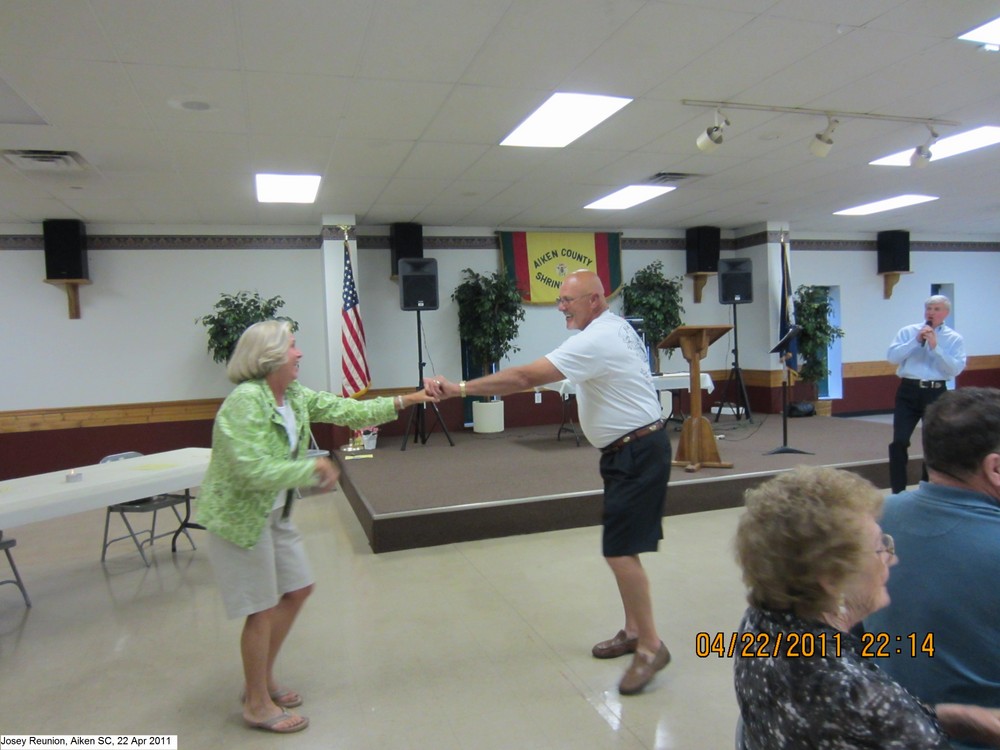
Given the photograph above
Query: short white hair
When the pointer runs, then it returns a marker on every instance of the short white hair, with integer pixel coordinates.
(262, 348)
(938, 299)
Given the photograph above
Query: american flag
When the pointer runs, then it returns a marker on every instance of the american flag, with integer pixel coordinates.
(354, 362)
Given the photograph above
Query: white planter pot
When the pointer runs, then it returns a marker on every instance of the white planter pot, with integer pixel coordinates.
(487, 416)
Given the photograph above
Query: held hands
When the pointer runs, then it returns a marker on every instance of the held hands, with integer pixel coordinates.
(440, 387)
(327, 473)
(420, 397)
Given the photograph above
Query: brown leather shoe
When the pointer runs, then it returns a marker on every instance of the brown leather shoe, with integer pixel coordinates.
(642, 670)
(612, 648)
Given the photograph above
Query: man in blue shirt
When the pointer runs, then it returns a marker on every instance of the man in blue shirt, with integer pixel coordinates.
(926, 356)
(947, 534)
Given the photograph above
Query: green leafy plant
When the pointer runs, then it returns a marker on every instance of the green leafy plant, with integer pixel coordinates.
(813, 306)
(490, 311)
(234, 313)
(657, 300)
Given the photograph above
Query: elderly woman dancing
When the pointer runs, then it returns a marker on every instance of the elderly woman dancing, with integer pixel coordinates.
(815, 563)
(259, 455)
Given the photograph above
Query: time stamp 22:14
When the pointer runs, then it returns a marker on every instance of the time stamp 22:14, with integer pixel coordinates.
(808, 645)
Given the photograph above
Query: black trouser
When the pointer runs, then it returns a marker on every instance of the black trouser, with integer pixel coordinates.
(911, 402)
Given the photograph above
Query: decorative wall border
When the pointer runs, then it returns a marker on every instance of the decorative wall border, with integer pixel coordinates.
(479, 242)
(174, 242)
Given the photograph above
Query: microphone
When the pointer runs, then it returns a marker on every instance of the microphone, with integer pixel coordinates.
(929, 324)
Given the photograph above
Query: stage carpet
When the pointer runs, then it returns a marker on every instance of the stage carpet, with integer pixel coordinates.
(526, 480)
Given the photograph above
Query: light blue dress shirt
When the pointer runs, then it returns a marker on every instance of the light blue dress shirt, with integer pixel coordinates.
(944, 362)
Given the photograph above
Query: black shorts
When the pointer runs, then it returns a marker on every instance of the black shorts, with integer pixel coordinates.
(635, 487)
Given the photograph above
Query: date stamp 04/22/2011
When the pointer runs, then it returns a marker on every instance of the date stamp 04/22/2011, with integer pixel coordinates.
(809, 645)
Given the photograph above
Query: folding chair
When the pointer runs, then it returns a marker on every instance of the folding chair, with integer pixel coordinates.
(146, 505)
(6, 545)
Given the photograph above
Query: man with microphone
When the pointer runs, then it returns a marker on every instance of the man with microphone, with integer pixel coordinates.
(926, 356)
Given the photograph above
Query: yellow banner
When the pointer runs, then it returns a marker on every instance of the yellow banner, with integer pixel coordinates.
(540, 261)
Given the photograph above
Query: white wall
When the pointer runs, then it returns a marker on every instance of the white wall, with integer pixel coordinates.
(870, 322)
(137, 340)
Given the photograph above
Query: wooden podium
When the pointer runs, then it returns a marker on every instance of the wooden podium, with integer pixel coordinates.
(697, 446)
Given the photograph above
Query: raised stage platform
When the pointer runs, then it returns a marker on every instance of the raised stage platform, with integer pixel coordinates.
(524, 480)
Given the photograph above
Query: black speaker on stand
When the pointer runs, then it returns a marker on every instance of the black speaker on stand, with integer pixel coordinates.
(418, 284)
(736, 288)
(418, 291)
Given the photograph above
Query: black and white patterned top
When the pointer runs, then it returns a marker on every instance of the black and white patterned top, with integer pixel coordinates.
(832, 700)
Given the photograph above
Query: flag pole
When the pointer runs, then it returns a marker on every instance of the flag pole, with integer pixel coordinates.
(786, 348)
(355, 376)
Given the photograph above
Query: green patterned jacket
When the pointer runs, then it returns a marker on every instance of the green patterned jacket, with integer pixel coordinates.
(251, 459)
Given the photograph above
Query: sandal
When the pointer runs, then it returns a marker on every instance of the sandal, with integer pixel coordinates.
(271, 725)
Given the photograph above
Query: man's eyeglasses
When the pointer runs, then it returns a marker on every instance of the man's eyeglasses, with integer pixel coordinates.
(567, 300)
(888, 545)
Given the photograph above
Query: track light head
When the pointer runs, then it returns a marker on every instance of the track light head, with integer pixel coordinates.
(921, 156)
(712, 137)
(821, 143)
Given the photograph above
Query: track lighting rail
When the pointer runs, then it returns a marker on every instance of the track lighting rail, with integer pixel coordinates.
(930, 122)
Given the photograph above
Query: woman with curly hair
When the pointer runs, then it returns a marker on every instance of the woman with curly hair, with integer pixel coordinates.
(815, 563)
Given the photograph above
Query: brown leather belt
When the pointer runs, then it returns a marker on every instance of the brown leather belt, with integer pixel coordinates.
(617, 445)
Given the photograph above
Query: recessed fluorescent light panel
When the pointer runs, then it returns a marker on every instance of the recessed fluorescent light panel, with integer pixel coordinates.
(988, 33)
(953, 145)
(900, 201)
(562, 119)
(287, 188)
(631, 195)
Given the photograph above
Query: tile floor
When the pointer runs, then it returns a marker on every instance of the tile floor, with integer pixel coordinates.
(473, 646)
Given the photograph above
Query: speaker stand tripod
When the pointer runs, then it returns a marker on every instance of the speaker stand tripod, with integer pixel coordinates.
(418, 416)
(736, 377)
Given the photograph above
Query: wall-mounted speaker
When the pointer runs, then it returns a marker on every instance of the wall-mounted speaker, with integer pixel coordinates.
(65, 249)
(418, 284)
(703, 249)
(735, 281)
(406, 240)
(893, 251)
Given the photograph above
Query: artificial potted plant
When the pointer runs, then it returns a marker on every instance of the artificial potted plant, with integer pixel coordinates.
(490, 311)
(813, 306)
(657, 300)
(234, 313)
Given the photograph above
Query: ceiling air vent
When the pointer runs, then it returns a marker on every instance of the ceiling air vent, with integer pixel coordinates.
(45, 161)
(668, 178)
